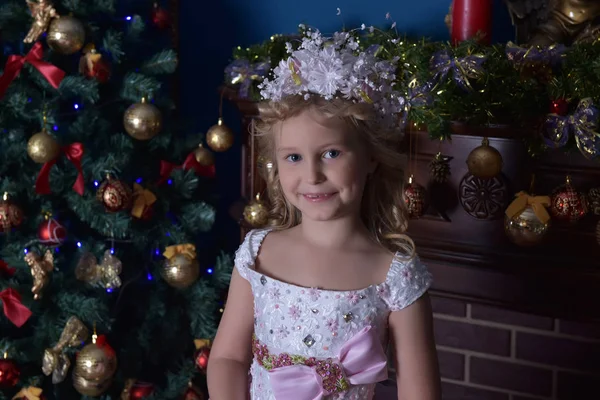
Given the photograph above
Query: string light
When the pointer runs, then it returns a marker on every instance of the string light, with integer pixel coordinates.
(149, 276)
(96, 183)
(55, 128)
(210, 270)
(170, 181)
(76, 106)
(25, 251)
(128, 18)
(79, 244)
(138, 180)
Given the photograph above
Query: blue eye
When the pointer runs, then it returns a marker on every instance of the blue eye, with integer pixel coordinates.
(293, 158)
(331, 154)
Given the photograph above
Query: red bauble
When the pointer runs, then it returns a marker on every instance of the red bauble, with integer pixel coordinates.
(160, 17)
(115, 195)
(11, 215)
(100, 71)
(193, 393)
(559, 106)
(51, 232)
(567, 204)
(201, 358)
(9, 373)
(140, 390)
(415, 198)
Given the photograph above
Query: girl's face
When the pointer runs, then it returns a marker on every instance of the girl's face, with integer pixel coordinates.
(323, 166)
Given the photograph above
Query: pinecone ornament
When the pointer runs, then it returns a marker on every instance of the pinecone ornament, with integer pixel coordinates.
(439, 168)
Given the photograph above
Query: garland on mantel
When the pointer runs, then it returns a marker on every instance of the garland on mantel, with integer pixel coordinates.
(551, 91)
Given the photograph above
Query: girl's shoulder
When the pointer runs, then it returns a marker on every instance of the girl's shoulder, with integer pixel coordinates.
(245, 255)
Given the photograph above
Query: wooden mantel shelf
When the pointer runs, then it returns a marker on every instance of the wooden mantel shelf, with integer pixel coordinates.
(471, 258)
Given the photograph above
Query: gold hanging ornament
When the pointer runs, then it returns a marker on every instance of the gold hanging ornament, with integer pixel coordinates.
(264, 165)
(94, 367)
(11, 215)
(204, 156)
(42, 147)
(219, 137)
(142, 120)
(256, 213)
(526, 220)
(42, 12)
(66, 35)
(416, 198)
(181, 268)
(106, 274)
(40, 267)
(55, 360)
(484, 162)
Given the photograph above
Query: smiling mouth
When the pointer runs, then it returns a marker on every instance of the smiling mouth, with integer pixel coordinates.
(315, 197)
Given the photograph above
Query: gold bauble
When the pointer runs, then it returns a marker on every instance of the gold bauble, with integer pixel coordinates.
(90, 387)
(256, 213)
(95, 363)
(204, 156)
(219, 137)
(180, 271)
(265, 168)
(484, 162)
(525, 229)
(66, 35)
(142, 120)
(42, 147)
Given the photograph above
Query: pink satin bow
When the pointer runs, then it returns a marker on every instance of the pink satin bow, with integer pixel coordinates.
(362, 359)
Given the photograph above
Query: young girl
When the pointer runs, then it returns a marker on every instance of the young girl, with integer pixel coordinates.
(316, 298)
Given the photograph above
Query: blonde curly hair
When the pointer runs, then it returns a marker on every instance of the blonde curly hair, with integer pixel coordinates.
(383, 210)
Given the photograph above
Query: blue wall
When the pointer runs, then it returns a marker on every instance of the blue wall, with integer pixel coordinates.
(208, 37)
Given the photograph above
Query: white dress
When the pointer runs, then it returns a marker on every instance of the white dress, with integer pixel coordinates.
(312, 327)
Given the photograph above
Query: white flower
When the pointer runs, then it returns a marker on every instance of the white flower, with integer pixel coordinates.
(332, 67)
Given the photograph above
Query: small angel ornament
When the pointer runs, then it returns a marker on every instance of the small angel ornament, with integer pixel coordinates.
(40, 270)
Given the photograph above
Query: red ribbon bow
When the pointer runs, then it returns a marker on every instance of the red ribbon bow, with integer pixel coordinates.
(74, 153)
(5, 269)
(14, 310)
(14, 64)
(190, 163)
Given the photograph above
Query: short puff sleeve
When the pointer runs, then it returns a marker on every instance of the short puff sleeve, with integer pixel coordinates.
(407, 280)
(245, 255)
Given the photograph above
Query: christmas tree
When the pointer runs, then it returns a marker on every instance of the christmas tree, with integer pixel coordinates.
(110, 282)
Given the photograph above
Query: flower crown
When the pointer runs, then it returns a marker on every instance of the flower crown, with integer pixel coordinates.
(333, 68)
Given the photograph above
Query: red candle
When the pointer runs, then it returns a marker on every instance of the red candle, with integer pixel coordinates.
(470, 17)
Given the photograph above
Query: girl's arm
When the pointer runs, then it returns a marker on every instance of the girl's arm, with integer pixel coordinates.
(417, 371)
(231, 351)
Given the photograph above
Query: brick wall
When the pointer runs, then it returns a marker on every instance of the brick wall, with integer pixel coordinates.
(489, 353)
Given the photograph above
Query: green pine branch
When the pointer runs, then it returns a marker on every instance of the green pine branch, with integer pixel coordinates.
(135, 28)
(79, 87)
(113, 44)
(164, 62)
(136, 86)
